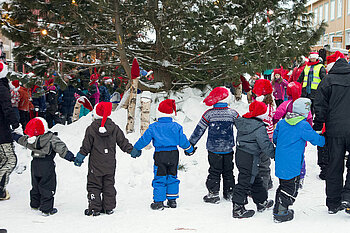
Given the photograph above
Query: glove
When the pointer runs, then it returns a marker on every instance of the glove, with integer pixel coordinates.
(190, 151)
(79, 159)
(135, 153)
(69, 156)
(16, 136)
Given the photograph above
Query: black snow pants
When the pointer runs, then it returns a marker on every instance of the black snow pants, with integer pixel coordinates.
(101, 191)
(220, 165)
(265, 170)
(43, 183)
(286, 192)
(336, 191)
(248, 180)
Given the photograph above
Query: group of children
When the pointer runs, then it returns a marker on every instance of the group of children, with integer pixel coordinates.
(254, 147)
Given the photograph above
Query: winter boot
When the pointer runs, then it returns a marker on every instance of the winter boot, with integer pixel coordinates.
(171, 203)
(228, 196)
(109, 212)
(346, 205)
(282, 214)
(3, 231)
(239, 211)
(265, 205)
(4, 195)
(336, 209)
(157, 205)
(51, 212)
(88, 212)
(212, 198)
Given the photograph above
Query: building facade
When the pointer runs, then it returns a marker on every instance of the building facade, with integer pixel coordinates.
(336, 13)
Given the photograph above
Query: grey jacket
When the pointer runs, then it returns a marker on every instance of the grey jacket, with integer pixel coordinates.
(252, 137)
(45, 145)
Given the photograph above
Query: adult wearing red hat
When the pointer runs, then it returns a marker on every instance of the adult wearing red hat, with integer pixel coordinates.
(311, 77)
(8, 121)
(332, 108)
(252, 141)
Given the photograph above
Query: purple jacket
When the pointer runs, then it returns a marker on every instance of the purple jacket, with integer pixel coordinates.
(281, 111)
(279, 89)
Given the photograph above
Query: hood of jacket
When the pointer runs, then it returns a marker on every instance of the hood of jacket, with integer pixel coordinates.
(293, 118)
(248, 125)
(340, 67)
(109, 125)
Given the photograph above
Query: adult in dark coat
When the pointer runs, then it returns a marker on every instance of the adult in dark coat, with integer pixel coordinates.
(52, 104)
(68, 102)
(8, 119)
(332, 108)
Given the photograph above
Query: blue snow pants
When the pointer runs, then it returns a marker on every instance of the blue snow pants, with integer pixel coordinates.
(165, 183)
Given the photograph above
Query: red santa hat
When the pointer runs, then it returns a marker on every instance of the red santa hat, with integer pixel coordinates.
(256, 109)
(262, 87)
(333, 58)
(36, 127)
(107, 80)
(3, 69)
(167, 108)
(85, 102)
(102, 111)
(135, 69)
(15, 84)
(94, 78)
(294, 90)
(218, 94)
(313, 55)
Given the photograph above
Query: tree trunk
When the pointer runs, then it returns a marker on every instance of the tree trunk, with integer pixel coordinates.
(146, 100)
(132, 106)
(126, 66)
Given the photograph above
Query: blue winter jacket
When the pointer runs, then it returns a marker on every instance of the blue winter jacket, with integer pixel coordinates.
(166, 135)
(220, 120)
(290, 137)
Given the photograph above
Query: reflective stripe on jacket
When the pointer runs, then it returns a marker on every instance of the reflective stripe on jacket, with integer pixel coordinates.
(316, 79)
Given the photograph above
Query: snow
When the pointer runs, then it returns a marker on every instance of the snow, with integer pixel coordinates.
(134, 191)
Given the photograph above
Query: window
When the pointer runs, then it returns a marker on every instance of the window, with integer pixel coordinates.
(315, 16)
(348, 7)
(339, 8)
(320, 13)
(338, 44)
(347, 37)
(325, 39)
(332, 9)
(326, 11)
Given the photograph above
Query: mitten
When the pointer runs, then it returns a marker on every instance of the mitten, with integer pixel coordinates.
(79, 159)
(135, 153)
(16, 136)
(69, 156)
(190, 151)
(317, 126)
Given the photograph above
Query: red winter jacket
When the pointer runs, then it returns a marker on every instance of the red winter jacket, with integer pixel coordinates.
(296, 73)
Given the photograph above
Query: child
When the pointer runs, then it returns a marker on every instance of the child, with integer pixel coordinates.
(279, 84)
(99, 141)
(252, 141)
(166, 135)
(44, 146)
(290, 137)
(220, 142)
(294, 93)
(263, 91)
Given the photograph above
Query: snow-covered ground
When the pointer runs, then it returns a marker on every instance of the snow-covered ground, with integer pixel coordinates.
(133, 184)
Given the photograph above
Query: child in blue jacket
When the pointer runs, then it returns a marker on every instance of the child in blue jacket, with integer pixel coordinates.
(166, 135)
(290, 137)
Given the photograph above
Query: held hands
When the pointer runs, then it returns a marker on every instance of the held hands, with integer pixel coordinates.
(191, 151)
(69, 156)
(79, 159)
(135, 153)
